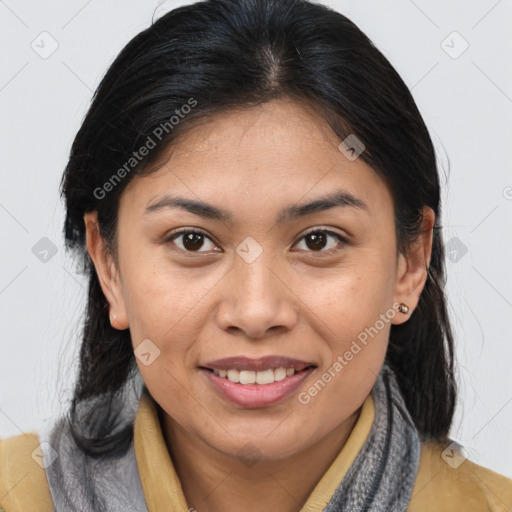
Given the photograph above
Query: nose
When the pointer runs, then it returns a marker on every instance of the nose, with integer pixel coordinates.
(257, 300)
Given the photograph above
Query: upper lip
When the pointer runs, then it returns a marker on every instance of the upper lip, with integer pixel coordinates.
(263, 363)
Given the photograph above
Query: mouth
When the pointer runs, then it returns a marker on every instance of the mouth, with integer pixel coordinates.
(253, 383)
(262, 377)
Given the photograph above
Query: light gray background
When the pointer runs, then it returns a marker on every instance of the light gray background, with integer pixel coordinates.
(467, 105)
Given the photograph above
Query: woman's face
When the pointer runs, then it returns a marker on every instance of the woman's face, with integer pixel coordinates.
(254, 284)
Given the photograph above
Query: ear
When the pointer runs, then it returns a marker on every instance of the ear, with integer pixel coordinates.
(413, 268)
(107, 272)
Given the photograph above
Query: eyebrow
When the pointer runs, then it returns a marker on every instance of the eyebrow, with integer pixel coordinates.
(209, 211)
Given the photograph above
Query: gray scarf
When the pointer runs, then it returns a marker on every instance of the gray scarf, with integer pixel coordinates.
(380, 479)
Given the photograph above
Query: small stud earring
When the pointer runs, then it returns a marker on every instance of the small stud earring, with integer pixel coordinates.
(403, 308)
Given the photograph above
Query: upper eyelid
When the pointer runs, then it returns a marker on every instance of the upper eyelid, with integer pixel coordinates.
(323, 228)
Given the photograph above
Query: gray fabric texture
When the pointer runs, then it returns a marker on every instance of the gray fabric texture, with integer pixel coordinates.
(380, 479)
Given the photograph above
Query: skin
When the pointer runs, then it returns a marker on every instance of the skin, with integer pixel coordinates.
(293, 300)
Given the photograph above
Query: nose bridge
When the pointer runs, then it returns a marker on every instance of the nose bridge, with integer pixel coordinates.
(256, 299)
(254, 272)
(254, 276)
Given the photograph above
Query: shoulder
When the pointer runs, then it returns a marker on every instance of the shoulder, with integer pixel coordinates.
(23, 483)
(448, 482)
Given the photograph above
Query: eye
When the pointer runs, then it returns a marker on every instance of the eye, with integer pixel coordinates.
(191, 240)
(317, 239)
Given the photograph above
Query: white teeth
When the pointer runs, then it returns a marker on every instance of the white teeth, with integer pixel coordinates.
(252, 377)
(279, 374)
(247, 377)
(233, 375)
(265, 377)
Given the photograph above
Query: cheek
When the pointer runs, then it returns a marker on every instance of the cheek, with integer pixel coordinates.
(349, 298)
(170, 309)
(355, 312)
(159, 295)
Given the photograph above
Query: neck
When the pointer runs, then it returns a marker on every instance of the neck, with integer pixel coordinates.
(213, 481)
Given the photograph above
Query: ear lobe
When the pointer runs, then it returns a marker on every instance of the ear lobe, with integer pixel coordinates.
(412, 269)
(106, 270)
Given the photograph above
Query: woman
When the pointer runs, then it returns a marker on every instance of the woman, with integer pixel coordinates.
(256, 201)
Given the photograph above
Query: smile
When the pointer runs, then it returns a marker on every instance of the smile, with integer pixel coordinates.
(252, 377)
(256, 383)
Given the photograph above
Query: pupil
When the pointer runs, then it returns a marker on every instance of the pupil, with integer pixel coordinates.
(193, 241)
(318, 240)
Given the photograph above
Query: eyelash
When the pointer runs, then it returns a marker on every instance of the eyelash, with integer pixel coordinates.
(341, 238)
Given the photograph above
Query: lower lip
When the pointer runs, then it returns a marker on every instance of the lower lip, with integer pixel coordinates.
(257, 395)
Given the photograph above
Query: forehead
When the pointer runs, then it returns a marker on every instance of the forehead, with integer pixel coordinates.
(278, 152)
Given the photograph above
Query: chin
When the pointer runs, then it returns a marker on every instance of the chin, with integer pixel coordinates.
(251, 448)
